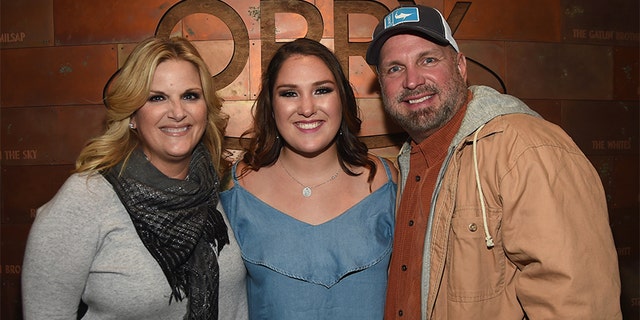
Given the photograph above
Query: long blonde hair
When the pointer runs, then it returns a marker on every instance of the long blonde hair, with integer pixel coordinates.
(129, 91)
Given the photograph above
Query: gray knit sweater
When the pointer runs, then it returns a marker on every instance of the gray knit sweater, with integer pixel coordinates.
(83, 245)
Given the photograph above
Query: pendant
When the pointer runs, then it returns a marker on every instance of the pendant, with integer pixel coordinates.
(306, 192)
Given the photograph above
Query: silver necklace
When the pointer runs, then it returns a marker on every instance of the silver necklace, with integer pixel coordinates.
(306, 190)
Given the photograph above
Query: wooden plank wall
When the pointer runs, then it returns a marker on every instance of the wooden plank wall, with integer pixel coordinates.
(574, 61)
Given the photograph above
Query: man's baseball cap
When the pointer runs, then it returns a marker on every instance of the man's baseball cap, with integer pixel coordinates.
(419, 20)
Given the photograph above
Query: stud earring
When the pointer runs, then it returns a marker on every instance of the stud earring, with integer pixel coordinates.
(131, 125)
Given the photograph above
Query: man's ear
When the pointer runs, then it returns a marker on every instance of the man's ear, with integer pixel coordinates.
(462, 65)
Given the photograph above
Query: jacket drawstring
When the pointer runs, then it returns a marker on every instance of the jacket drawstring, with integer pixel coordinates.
(487, 235)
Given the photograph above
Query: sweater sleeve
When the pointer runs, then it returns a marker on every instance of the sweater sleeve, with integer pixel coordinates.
(62, 243)
(556, 231)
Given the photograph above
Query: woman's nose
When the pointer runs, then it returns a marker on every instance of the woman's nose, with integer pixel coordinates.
(177, 110)
(307, 106)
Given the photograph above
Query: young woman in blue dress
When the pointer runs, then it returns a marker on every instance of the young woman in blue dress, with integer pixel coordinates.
(312, 209)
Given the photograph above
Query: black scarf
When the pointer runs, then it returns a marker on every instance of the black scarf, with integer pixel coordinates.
(179, 224)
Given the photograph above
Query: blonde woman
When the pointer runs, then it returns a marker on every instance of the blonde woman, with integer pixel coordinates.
(136, 231)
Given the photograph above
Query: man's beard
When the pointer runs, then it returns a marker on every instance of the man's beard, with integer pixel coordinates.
(428, 120)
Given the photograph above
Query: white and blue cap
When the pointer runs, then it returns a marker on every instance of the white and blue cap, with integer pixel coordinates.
(419, 20)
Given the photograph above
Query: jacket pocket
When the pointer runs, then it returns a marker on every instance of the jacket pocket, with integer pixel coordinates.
(474, 271)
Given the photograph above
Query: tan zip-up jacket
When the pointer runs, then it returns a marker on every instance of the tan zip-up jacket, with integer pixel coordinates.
(553, 255)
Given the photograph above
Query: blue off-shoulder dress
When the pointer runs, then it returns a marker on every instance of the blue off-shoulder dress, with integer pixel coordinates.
(335, 270)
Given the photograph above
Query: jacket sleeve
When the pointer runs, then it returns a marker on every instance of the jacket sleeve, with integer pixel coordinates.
(555, 230)
(62, 243)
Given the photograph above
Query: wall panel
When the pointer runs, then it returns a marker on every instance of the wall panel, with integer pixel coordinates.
(603, 127)
(48, 135)
(591, 21)
(95, 22)
(544, 70)
(524, 20)
(29, 190)
(486, 63)
(26, 23)
(55, 75)
(626, 72)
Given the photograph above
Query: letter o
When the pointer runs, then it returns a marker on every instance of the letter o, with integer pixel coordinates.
(227, 15)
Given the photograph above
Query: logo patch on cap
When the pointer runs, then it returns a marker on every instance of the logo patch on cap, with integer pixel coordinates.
(401, 15)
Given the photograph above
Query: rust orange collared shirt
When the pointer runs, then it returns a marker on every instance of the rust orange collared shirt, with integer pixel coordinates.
(405, 270)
